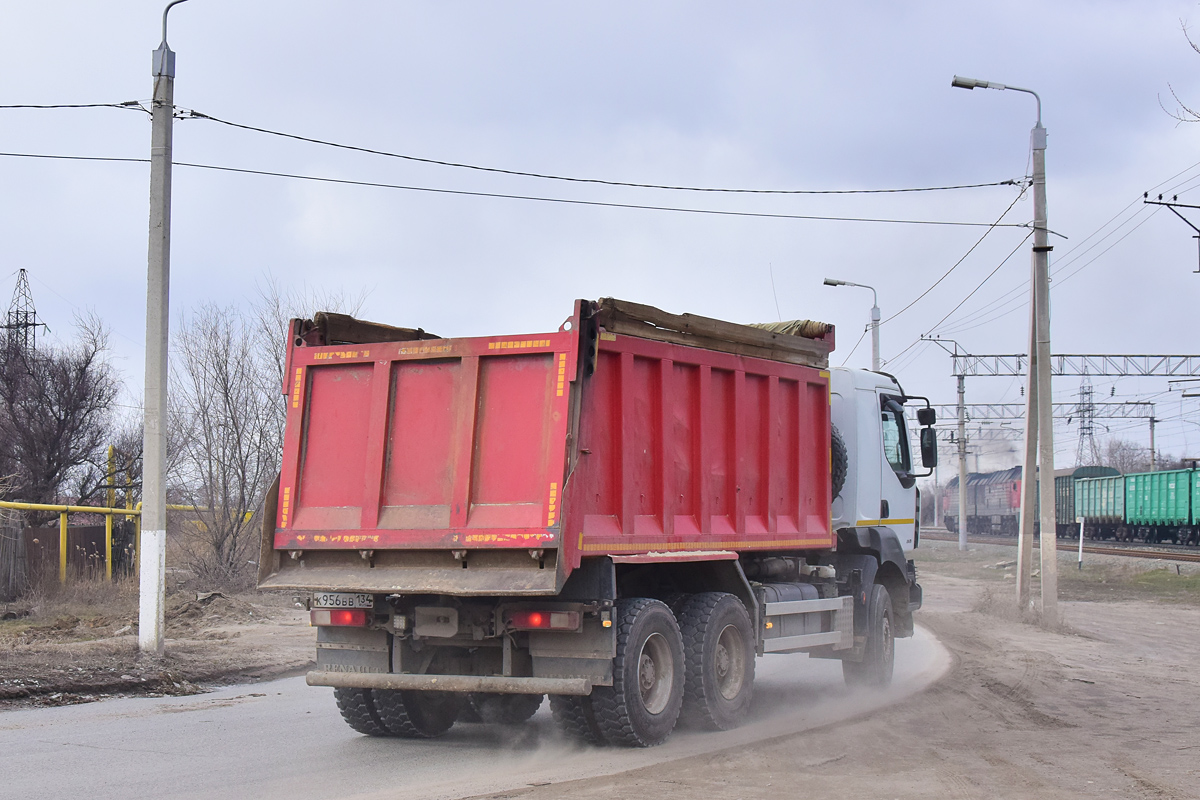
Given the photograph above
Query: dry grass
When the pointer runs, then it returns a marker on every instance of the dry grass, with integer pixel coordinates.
(79, 610)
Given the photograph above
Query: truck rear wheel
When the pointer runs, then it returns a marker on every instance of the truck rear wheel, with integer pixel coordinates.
(417, 715)
(504, 709)
(575, 717)
(358, 709)
(718, 649)
(879, 656)
(642, 706)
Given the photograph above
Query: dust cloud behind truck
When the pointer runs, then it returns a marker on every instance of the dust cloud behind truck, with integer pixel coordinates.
(622, 514)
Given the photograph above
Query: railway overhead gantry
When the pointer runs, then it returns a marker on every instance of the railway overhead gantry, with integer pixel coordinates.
(1016, 365)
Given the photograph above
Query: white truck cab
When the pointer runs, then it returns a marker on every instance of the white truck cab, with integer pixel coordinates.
(880, 486)
(876, 508)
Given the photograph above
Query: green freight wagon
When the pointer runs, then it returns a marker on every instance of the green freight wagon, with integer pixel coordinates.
(1193, 534)
(1158, 505)
(1064, 496)
(1101, 503)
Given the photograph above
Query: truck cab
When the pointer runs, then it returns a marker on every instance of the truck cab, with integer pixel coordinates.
(876, 513)
(868, 412)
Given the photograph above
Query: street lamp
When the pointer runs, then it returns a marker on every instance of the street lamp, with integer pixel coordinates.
(874, 317)
(152, 548)
(1039, 428)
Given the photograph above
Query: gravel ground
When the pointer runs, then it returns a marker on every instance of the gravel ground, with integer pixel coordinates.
(1103, 706)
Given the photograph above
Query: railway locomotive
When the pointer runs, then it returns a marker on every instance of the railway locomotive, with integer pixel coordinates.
(1150, 507)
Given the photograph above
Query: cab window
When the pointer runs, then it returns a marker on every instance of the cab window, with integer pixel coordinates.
(895, 438)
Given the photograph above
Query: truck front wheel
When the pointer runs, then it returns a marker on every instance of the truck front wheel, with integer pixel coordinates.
(642, 706)
(719, 651)
(879, 655)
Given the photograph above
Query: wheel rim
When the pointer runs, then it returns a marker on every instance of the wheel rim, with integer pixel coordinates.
(730, 662)
(656, 673)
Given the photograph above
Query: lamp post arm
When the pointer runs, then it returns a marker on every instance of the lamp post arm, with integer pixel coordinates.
(165, 10)
(1035, 97)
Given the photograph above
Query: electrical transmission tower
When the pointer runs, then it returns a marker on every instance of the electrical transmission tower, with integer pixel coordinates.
(21, 323)
(1087, 454)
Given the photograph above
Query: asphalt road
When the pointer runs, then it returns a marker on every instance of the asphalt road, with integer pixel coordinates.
(283, 739)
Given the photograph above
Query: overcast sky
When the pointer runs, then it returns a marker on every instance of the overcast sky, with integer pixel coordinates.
(830, 96)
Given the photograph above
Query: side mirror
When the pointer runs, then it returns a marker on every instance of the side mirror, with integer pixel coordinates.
(929, 450)
(926, 416)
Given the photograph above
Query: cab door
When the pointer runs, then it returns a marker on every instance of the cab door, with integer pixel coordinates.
(897, 507)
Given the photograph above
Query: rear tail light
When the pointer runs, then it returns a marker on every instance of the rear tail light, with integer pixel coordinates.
(339, 616)
(544, 621)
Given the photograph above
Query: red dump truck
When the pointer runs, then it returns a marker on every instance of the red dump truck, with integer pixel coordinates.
(621, 514)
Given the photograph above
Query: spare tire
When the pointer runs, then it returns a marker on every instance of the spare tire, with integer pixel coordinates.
(839, 462)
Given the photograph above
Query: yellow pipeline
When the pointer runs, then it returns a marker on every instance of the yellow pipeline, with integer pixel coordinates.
(62, 511)
(246, 515)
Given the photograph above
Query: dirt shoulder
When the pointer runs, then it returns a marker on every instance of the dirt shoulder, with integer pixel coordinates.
(1106, 706)
(82, 646)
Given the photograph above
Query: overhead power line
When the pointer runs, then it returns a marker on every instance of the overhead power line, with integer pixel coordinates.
(534, 198)
(130, 104)
(1017, 302)
(946, 274)
(193, 114)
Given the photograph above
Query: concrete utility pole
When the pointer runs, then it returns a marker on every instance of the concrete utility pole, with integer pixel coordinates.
(962, 463)
(1028, 487)
(1153, 450)
(153, 547)
(1048, 540)
(876, 364)
(874, 326)
(962, 441)
(1039, 398)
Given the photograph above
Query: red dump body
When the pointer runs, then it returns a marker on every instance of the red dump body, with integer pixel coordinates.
(662, 451)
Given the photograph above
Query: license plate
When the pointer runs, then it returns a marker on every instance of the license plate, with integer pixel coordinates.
(342, 600)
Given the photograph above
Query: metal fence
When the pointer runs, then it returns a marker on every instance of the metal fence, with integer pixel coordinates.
(14, 571)
(62, 549)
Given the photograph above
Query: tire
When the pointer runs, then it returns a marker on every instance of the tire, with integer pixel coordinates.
(838, 463)
(879, 655)
(574, 717)
(358, 709)
(718, 646)
(504, 709)
(418, 715)
(642, 706)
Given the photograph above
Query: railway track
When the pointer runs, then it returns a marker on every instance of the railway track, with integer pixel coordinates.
(1189, 555)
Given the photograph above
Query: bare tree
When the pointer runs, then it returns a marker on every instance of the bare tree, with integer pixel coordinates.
(56, 413)
(1183, 112)
(276, 306)
(1126, 456)
(225, 427)
(227, 438)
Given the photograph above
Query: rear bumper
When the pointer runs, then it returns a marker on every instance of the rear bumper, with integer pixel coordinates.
(450, 683)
